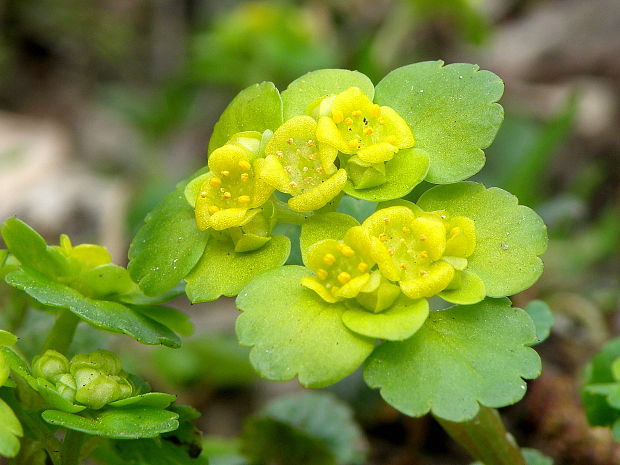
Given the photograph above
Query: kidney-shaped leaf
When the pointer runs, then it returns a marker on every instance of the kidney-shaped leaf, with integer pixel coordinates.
(316, 428)
(222, 271)
(509, 236)
(293, 332)
(103, 314)
(461, 357)
(256, 108)
(452, 111)
(167, 247)
(311, 86)
(122, 423)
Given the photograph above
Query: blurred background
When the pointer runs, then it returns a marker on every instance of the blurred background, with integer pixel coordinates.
(105, 105)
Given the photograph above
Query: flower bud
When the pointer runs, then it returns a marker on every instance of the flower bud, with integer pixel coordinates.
(65, 386)
(100, 360)
(50, 365)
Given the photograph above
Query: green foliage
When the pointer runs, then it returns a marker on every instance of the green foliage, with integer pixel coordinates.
(125, 423)
(452, 110)
(543, 319)
(257, 108)
(484, 347)
(222, 271)
(315, 428)
(10, 431)
(167, 247)
(293, 332)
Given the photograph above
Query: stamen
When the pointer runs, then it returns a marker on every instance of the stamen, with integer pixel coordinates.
(310, 143)
(244, 165)
(329, 259)
(245, 177)
(386, 220)
(344, 277)
(362, 267)
(213, 209)
(203, 194)
(227, 195)
(368, 131)
(308, 179)
(215, 182)
(422, 237)
(225, 173)
(346, 250)
(406, 229)
(391, 252)
(293, 184)
(454, 231)
(423, 254)
(390, 139)
(383, 237)
(244, 199)
(423, 273)
(337, 116)
(348, 121)
(319, 169)
(322, 274)
(353, 143)
(356, 113)
(290, 141)
(279, 153)
(404, 266)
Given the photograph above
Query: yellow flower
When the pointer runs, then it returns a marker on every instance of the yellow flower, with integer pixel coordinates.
(231, 193)
(294, 165)
(421, 251)
(350, 123)
(342, 268)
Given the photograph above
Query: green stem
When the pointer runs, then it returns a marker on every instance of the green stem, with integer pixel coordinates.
(62, 332)
(71, 447)
(485, 438)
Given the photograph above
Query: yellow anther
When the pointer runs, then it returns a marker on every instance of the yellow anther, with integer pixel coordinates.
(244, 199)
(312, 156)
(390, 139)
(375, 110)
(308, 180)
(290, 141)
(423, 273)
(215, 182)
(422, 237)
(310, 143)
(213, 209)
(225, 173)
(381, 121)
(454, 231)
(322, 274)
(293, 184)
(203, 194)
(386, 220)
(368, 131)
(383, 237)
(329, 259)
(353, 143)
(227, 195)
(279, 153)
(404, 266)
(356, 113)
(423, 254)
(362, 267)
(244, 165)
(348, 121)
(346, 250)
(288, 169)
(319, 169)
(391, 252)
(406, 229)
(344, 277)
(245, 176)
(337, 116)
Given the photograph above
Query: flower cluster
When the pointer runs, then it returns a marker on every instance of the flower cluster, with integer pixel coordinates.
(92, 380)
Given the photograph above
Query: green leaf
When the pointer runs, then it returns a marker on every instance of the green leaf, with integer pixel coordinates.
(317, 84)
(509, 237)
(167, 247)
(470, 291)
(403, 172)
(158, 400)
(146, 452)
(6, 338)
(222, 271)
(358, 209)
(103, 314)
(106, 280)
(541, 314)
(599, 372)
(30, 248)
(293, 332)
(461, 357)
(256, 108)
(10, 431)
(54, 399)
(396, 323)
(316, 428)
(174, 319)
(322, 226)
(123, 423)
(452, 111)
(532, 457)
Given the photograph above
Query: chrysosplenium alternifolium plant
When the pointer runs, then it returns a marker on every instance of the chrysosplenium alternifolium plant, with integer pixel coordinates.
(329, 166)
